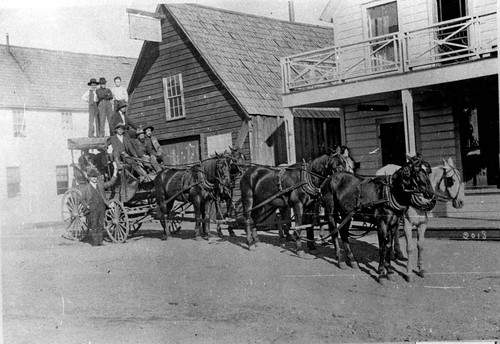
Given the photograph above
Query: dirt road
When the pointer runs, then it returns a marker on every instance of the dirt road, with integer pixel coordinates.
(184, 291)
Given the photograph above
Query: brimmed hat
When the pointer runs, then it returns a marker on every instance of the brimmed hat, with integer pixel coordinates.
(120, 105)
(93, 173)
(119, 125)
(92, 81)
(139, 131)
(149, 127)
(102, 80)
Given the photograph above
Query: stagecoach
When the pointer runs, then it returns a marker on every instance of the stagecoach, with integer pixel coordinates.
(131, 199)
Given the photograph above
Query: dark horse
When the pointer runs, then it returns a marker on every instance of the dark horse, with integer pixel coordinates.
(295, 186)
(381, 200)
(198, 185)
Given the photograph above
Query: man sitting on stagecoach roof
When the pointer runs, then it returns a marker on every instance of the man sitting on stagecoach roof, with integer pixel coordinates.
(141, 149)
(124, 150)
(152, 145)
(120, 116)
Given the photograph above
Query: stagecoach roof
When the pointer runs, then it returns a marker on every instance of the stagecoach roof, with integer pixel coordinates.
(88, 143)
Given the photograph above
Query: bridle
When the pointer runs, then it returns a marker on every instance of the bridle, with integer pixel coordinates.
(448, 182)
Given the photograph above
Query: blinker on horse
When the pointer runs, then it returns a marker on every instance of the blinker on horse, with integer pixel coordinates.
(198, 185)
(382, 200)
(265, 189)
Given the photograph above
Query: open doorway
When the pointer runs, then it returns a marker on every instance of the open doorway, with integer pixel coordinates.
(392, 142)
(455, 39)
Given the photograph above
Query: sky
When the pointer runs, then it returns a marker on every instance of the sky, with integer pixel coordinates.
(101, 26)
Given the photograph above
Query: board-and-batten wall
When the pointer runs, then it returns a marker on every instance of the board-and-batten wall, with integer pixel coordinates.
(210, 109)
(434, 126)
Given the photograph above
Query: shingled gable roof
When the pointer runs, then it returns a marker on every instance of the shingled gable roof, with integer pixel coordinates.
(50, 79)
(244, 50)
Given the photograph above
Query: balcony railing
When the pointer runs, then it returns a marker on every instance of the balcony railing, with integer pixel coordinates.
(458, 40)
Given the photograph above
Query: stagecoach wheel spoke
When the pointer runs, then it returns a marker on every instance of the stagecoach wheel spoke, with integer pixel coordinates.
(117, 222)
(73, 215)
(134, 227)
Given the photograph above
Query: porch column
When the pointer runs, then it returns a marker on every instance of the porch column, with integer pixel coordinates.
(409, 122)
(290, 135)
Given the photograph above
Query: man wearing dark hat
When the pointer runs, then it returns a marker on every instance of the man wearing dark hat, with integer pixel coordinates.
(121, 116)
(104, 98)
(153, 147)
(91, 98)
(141, 149)
(94, 202)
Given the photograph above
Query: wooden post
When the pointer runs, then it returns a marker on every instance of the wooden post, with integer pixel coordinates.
(409, 122)
(290, 136)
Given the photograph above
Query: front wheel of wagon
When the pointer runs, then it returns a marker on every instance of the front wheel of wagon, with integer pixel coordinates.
(116, 222)
(73, 215)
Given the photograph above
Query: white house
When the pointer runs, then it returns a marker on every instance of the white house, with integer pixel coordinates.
(40, 108)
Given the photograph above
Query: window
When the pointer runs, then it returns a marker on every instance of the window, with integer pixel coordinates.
(19, 123)
(174, 97)
(67, 120)
(62, 179)
(13, 181)
(383, 20)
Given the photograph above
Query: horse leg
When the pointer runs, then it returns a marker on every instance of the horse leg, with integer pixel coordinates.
(420, 247)
(410, 247)
(298, 210)
(205, 216)
(344, 234)
(230, 212)
(398, 254)
(197, 218)
(162, 215)
(311, 219)
(389, 244)
(382, 249)
(333, 229)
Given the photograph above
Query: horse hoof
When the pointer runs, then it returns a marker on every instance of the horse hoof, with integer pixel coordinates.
(314, 252)
(231, 234)
(301, 254)
(399, 256)
(422, 273)
(164, 237)
(354, 265)
(343, 265)
(410, 278)
(198, 238)
(252, 248)
(391, 276)
(382, 280)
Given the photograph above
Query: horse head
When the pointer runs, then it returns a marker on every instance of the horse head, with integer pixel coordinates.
(236, 160)
(451, 185)
(222, 174)
(415, 176)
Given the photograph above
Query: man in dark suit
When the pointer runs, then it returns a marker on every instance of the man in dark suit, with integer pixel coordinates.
(94, 202)
(120, 116)
(104, 98)
(124, 151)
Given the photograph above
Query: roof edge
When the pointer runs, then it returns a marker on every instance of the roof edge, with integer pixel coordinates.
(245, 111)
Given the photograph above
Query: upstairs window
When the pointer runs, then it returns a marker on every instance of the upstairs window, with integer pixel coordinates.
(62, 179)
(67, 121)
(18, 119)
(174, 97)
(13, 181)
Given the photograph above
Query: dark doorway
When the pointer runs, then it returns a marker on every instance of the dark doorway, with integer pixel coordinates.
(315, 136)
(455, 41)
(392, 142)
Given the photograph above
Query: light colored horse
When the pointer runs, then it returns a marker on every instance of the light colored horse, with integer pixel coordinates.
(448, 186)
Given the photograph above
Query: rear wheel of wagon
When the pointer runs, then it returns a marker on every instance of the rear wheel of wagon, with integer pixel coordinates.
(73, 215)
(116, 222)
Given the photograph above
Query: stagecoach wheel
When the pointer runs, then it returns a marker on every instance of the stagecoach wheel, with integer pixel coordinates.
(116, 221)
(174, 225)
(73, 215)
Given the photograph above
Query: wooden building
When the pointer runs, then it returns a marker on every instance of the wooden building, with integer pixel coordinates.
(40, 108)
(410, 76)
(215, 81)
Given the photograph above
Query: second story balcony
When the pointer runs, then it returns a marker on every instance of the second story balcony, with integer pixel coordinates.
(455, 41)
